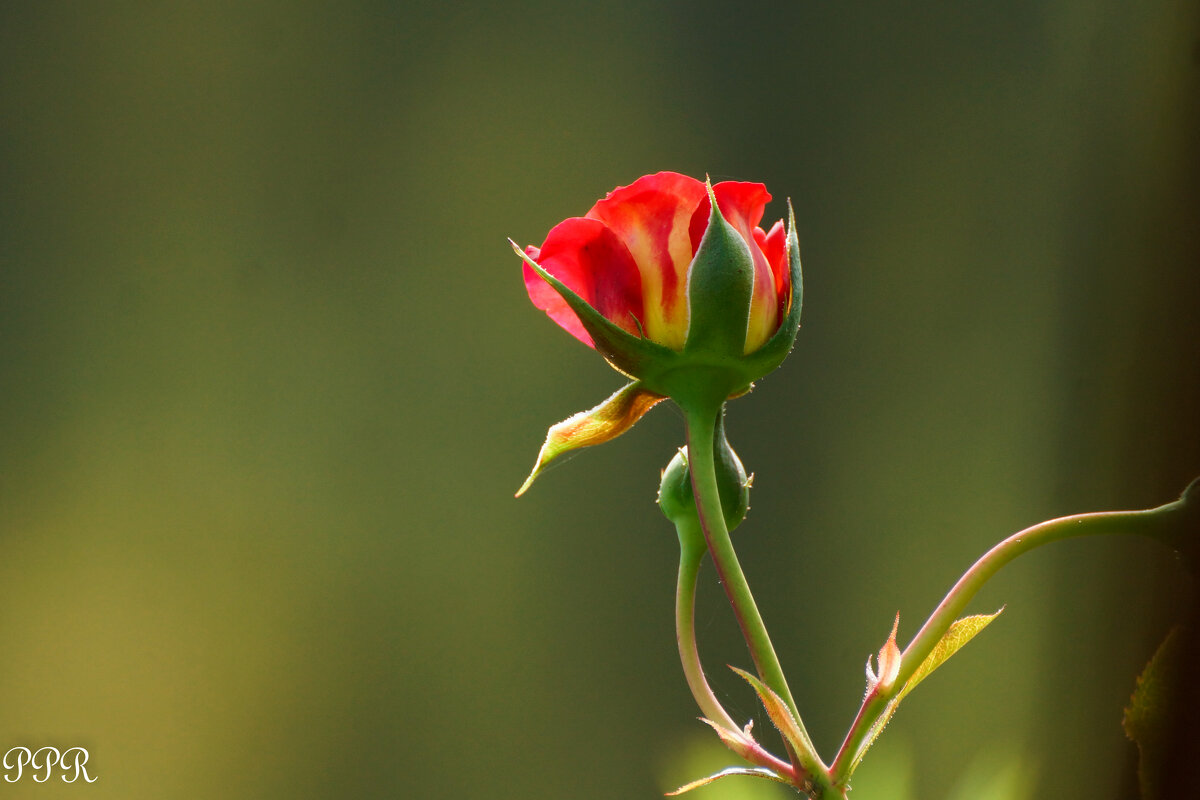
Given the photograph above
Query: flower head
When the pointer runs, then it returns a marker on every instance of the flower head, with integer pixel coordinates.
(676, 284)
(629, 258)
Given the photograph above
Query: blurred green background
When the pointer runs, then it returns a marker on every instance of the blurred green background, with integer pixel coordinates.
(269, 379)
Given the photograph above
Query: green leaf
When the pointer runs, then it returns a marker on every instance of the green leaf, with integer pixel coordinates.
(780, 714)
(751, 772)
(961, 632)
(595, 426)
(1148, 717)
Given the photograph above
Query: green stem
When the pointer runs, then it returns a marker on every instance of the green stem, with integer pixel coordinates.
(1160, 523)
(685, 633)
(701, 433)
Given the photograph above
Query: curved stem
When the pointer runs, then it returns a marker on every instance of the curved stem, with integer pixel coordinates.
(685, 634)
(701, 432)
(1156, 522)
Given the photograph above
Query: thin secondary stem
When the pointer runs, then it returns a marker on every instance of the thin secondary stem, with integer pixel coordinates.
(701, 432)
(685, 634)
(1156, 522)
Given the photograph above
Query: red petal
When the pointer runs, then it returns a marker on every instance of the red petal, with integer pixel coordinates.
(592, 262)
(741, 204)
(651, 216)
(775, 247)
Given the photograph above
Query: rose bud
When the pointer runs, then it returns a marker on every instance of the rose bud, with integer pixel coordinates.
(673, 281)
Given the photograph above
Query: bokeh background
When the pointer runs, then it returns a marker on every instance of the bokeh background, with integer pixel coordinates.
(269, 378)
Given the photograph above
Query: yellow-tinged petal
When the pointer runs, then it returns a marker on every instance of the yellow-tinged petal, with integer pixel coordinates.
(653, 216)
(597, 425)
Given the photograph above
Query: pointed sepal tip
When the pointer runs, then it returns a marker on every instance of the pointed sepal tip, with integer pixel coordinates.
(597, 425)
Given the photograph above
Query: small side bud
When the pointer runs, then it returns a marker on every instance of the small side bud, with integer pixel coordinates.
(675, 497)
(678, 501)
(889, 663)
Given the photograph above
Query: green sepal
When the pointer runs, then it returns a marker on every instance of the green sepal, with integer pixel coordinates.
(750, 772)
(634, 356)
(720, 287)
(768, 357)
(597, 425)
(781, 717)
